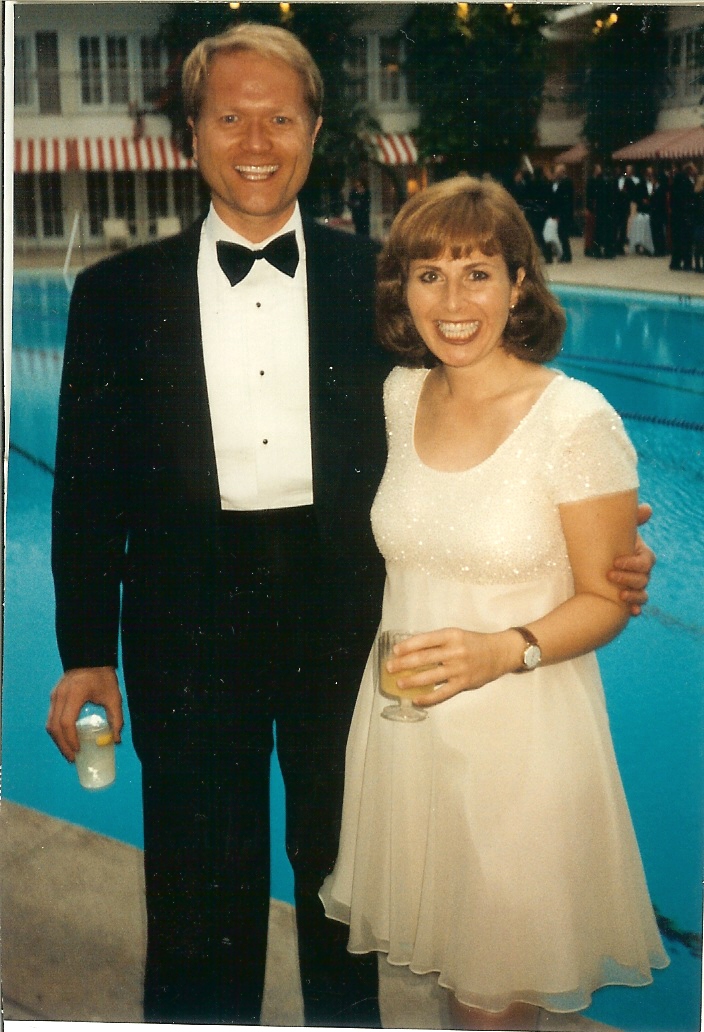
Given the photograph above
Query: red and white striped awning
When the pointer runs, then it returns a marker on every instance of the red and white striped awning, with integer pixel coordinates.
(43, 155)
(666, 143)
(99, 154)
(122, 154)
(394, 148)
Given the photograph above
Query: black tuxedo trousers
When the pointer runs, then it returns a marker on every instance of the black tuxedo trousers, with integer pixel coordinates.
(235, 627)
(206, 789)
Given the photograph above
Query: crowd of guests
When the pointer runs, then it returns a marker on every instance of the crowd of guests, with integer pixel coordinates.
(627, 210)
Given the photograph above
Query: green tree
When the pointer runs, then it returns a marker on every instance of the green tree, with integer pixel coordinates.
(327, 30)
(478, 72)
(625, 76)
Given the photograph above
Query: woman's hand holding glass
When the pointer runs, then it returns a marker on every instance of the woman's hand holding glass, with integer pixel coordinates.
(453, 661)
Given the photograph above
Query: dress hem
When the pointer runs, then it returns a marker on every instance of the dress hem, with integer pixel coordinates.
(532, 998)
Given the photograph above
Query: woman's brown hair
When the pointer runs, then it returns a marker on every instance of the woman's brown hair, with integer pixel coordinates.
(456, 217)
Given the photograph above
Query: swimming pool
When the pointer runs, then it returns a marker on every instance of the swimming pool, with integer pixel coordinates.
(644, 352)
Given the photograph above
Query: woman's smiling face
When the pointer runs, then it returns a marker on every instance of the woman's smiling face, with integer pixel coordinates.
(460, 306)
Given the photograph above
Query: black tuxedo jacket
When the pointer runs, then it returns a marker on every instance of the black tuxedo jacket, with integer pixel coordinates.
(136, 500)
(561, 205)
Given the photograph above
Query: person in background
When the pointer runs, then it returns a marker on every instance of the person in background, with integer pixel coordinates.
(537, 201)
(628, 191)
(657, 193)
(606, 201)
(491, 843)
(640, 233)
(592, 192)
(698, 228)
(682, 217)
(359, 203)
(561, 207)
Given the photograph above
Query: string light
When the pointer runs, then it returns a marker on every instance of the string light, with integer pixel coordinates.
(600, 25)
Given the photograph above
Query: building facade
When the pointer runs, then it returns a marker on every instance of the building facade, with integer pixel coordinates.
(93, 158)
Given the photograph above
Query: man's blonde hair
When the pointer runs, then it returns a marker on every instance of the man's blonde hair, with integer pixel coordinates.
(267, 41)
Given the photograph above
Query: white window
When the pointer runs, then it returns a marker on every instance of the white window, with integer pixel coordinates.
(52, 215)
(157, 199)
(91, 72)
(23, 72)
(118, 70)
(25, 206)
(125, 199)
(98, 201)
(190, 196)
(37, 83)
(104, 63)
(151, 56)
(685, 65)
(390, 62)
(48, 73)
(356, 66)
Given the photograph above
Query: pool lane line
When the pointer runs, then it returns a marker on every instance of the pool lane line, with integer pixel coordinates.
(666, 619)
(34, 459)
(682, 370)
(680, 424)
(566, 360)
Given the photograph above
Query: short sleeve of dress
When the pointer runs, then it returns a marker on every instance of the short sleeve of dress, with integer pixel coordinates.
(593, 455)
(401, 389)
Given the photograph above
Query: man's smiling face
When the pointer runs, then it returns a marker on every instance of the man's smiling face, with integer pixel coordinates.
(253, 141)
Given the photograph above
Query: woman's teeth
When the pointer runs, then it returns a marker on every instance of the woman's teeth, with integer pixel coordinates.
(458, 331)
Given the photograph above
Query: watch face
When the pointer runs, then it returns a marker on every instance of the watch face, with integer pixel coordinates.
(531, 657)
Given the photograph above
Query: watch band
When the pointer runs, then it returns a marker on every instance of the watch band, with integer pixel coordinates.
(531, 643)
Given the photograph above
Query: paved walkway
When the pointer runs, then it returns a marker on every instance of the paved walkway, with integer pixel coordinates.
(73, 923)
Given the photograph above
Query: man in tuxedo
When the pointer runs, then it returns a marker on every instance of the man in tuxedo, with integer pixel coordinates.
(561, 207)
(221, 438)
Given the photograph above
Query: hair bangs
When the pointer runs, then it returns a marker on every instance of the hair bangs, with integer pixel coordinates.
(454, 226)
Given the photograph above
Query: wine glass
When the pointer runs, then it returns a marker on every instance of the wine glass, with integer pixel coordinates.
(403, 709)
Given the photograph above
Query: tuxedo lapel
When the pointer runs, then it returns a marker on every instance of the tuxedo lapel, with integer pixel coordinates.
(178, 369)
(326, 323)
(347, 369)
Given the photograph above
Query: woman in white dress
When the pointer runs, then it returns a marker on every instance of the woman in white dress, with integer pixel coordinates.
(492, 842)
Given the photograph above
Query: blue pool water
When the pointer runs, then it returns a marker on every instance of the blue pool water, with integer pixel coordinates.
(646, 354)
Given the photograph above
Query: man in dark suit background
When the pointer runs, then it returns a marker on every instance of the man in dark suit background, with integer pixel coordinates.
(561, 207)
(220, 441)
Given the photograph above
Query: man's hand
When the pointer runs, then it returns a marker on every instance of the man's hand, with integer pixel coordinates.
(77, 687)
(632, 572)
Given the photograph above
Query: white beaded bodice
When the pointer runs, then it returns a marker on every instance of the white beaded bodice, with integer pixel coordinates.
(498, 522)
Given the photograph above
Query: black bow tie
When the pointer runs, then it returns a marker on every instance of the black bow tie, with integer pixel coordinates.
(236, 260)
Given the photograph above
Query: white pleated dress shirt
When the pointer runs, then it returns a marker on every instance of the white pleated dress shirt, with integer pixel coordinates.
(255, 346)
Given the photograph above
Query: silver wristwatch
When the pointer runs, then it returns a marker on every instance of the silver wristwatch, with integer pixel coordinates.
(531, 654)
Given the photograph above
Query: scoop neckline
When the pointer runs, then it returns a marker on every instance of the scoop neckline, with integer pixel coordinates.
(471, 469)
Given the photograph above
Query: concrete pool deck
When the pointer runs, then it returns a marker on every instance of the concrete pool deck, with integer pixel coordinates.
(72, 907)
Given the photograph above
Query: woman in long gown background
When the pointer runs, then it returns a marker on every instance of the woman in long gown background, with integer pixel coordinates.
(492, 842)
